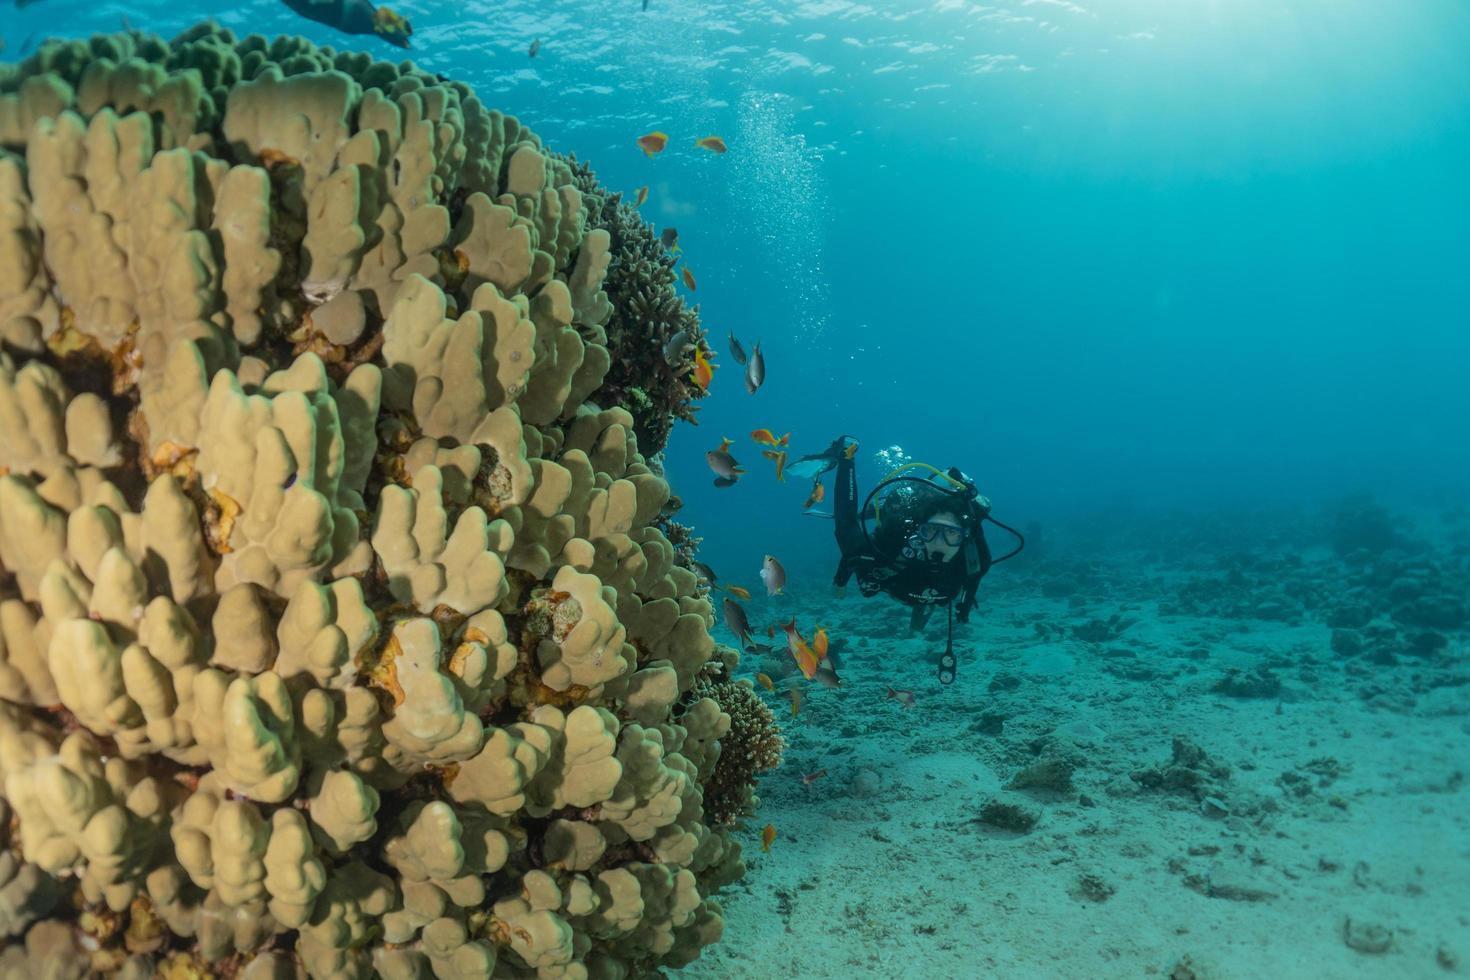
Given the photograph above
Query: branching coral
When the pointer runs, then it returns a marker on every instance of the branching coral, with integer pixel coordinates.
(338, 632)
(753, 745)
(647, 313)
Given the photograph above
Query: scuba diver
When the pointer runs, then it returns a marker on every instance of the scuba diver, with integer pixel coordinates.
(356, 17)
(918, 537)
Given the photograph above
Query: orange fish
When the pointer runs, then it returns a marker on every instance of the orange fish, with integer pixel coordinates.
(779, 455)
(712, 143)
(806, 659)
(850, 451)
(642, 196)
(739, 592)
(689, 279)
(704, 371)
(766, 682)
(725, 444)
(768, 438)
(768, 835)
(653, 143)
(905, 698)
(812, 777)
(818, 492)
(819, 643)
(795, 701)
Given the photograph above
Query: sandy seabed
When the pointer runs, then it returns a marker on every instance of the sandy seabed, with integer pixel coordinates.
(1317, 830)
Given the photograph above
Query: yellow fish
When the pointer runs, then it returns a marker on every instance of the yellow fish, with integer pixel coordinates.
(768, 438)
(738, 592)
(704, 370)
(768, 835)
(652, 143)
(819, 643)
(689, 279)
(766, 682)
(642, 196)
(712, 143)
(780, 457)
(795, 701)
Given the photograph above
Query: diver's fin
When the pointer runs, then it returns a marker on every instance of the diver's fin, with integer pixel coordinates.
(811, 512)
(811, 467)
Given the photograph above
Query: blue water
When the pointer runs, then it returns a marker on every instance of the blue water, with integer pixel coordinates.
(1128, 255)
(1117, 260)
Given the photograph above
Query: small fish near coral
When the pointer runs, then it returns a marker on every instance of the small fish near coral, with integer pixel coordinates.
(736, 351)
(712, 143)
(772, 574)
(801, 652)
(827, 677)
(765, 681)
(738, 591)
(669, 239)
(736, 621)
(689, 280)
(653, 143)
(795, 701)
(641, 197)
(676, 348)
(704, 370)
(811, 777)
(755, 370)
(727, 471)
(767, 836)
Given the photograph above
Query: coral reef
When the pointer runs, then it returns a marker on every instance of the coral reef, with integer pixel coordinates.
(336, 632)
(647, 314)
(754, 745)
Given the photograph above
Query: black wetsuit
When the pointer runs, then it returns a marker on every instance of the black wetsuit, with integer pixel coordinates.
(920, 585)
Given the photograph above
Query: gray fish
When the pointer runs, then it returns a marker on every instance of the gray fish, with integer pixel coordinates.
(677, 346)
(723, 464)
(774, 576)
(535, 46)
(827, 677)
(669, 238)
(736, 351)
(735, 620)
(724, 481)
(706, 571)
(755, 370)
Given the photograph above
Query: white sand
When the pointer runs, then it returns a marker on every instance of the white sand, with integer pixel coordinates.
(905, 884)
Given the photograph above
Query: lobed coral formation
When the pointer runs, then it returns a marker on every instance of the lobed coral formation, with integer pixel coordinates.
(336, 633)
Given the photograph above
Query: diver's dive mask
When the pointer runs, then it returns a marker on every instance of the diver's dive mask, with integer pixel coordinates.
(899, 516)
(934, 531)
